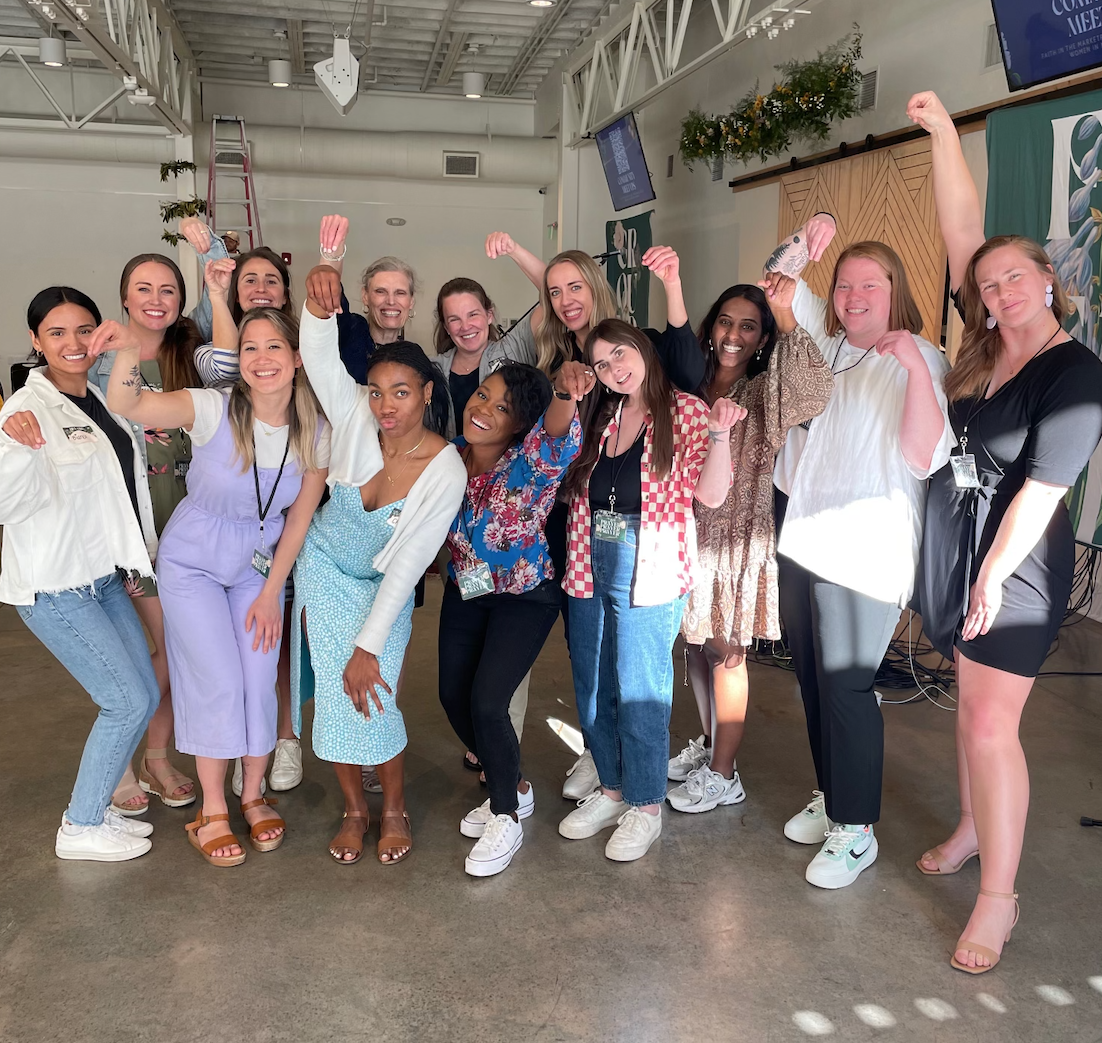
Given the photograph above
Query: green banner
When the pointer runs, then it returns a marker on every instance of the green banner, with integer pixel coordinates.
(629, 238)
(1045, 181)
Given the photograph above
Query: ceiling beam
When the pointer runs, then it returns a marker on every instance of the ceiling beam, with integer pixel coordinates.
(455, 52)
(534, 44)
(294, 46)
(441, 33)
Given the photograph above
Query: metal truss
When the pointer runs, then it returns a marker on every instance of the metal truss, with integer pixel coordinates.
(141, 43)
(605, 84)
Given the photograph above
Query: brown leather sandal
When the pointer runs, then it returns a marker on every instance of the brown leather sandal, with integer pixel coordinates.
(164, 789)
(356, 844)
(213, 845)
(391, 840)
(264, 825)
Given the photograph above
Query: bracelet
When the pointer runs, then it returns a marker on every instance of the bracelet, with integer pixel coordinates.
(328, 255)
(564, 395)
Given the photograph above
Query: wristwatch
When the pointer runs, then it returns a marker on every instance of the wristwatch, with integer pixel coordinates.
(564, 395)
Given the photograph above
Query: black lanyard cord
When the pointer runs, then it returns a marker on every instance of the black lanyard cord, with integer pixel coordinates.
(262, 510)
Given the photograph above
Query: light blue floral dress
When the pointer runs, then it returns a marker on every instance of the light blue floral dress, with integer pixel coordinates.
(336, 583)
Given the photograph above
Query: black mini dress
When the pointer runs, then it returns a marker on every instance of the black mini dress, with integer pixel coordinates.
(1044, 423)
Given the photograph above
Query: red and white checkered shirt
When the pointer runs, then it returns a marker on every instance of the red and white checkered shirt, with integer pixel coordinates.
(666, 551)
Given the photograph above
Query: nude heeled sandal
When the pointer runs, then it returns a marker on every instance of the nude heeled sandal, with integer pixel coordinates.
(944, 866)
(982, 950)
(152, 785)
(226, 840)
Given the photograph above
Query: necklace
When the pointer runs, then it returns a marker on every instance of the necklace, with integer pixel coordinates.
(386, 470)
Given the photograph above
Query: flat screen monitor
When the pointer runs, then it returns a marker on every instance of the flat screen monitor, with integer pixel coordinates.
(625, 165)
(1045, 40)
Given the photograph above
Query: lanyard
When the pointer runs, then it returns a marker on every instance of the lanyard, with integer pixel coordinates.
(263, 510)
(838, 372)
(616, 455)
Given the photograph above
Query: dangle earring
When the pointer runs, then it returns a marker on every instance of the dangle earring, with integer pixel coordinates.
(1048, 295)
(991, 322)
(757, 355)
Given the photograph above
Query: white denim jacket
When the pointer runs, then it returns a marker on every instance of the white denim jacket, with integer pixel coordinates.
(66, 513)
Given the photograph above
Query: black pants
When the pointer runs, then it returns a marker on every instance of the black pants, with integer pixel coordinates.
(838, 638)
(486, 647)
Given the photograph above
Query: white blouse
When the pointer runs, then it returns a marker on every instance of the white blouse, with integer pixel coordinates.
(856, 507)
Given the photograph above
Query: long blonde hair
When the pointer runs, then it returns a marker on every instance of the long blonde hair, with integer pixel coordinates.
(904, 313)
(980, 347)
(553, 339)
(305, 412)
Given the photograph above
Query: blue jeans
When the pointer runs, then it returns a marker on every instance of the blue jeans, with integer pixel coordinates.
(95, 634)
(622, 660)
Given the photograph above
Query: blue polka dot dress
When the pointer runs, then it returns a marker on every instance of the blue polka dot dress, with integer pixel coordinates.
(336, 583)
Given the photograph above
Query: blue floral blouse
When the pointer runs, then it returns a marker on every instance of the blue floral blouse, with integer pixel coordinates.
(502, 519)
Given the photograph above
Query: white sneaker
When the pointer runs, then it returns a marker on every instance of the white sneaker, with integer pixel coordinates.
(634, 835)
(704, 790)
(694, 756)
(495, 849)
(582, 778)
(848, 851)
(238, 780)
(811, 824)
(286, 770)
(596, 812)
(127, 825)
(474, 822)
(103, 843)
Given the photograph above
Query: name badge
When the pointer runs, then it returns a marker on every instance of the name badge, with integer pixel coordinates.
(609, 526)
(475, 582)
(179, 469)
(964, 471)
(392, 518)
(262, 562)
(79, 434)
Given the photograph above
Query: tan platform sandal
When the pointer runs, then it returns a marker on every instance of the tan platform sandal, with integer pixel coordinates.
(264, 826)
(390, 840)
(982, 950)
(213, 845)
(355, 843)
(151, 784)
(126, 791)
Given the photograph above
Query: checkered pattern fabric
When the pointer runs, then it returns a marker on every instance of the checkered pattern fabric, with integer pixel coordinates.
(667, 536)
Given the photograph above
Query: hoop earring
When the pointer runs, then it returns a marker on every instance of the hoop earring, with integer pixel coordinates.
(1048, 296)
(992, 322)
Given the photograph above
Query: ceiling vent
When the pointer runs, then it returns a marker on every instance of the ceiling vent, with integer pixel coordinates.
(992, 53)
(460, 164)
(867, 95)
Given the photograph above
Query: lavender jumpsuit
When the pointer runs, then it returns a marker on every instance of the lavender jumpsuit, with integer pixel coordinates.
(223, 693)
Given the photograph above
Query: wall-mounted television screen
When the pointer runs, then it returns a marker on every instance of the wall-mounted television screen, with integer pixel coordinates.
(624, 163)
(1044, 40)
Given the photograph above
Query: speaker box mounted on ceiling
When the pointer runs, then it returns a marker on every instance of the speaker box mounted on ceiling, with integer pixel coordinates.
(339, 76)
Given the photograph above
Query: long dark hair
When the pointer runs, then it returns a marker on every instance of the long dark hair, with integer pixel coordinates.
(52, 297)
(756, 296)
(406, 353)
(441, 339)
(599, 407)
(264, 254)
(177, 355)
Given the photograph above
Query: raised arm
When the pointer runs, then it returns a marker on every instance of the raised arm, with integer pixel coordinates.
(924, 422)
(223, 328)
(664, 262)
(332, 239)
(955, 196)
(573, 382)
(501, 244)
(319, 345)
(209, 248)
(127, 394)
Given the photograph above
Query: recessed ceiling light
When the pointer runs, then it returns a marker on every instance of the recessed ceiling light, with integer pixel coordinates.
(541, 3)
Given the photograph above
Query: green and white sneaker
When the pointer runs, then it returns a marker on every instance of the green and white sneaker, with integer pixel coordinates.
(847, 852)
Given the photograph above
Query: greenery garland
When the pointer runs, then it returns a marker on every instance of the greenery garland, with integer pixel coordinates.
(802, 106)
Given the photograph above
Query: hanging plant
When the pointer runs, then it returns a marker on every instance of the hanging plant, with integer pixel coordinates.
(175, 209)
(802, 106)
(177, 168)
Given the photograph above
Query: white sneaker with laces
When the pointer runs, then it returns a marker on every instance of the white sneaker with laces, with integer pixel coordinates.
(638, 829)
(596, 812)
(694, 756)
(810, 825)
(474, 822)
(286, 770)
(704, 790)
(581, 779)
(238, 780)
(848, 852)
(494, 851)
(103, 843)
(127, 825)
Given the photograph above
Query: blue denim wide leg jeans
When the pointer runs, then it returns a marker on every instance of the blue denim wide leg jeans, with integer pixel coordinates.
(622, 660)
(95, 634)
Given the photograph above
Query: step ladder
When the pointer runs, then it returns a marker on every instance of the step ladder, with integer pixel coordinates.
(231, 193)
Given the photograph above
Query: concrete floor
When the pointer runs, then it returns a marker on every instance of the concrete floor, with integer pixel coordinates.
(714, 935)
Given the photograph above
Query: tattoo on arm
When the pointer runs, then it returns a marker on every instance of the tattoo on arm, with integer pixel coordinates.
(715, 437)
(790, 258)
(134, 381)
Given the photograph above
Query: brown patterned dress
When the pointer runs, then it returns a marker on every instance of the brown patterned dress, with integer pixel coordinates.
(735, 599)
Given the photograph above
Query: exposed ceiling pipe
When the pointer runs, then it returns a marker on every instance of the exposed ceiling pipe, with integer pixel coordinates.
(441, 34)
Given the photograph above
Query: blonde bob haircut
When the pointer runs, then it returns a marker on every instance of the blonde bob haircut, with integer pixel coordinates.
(553, 339)
(302, 432)
(979, 346)
(904, 313)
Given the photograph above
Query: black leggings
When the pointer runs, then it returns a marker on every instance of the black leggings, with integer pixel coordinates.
(486, 646)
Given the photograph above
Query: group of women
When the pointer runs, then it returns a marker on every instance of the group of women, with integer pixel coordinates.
(795, 460)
